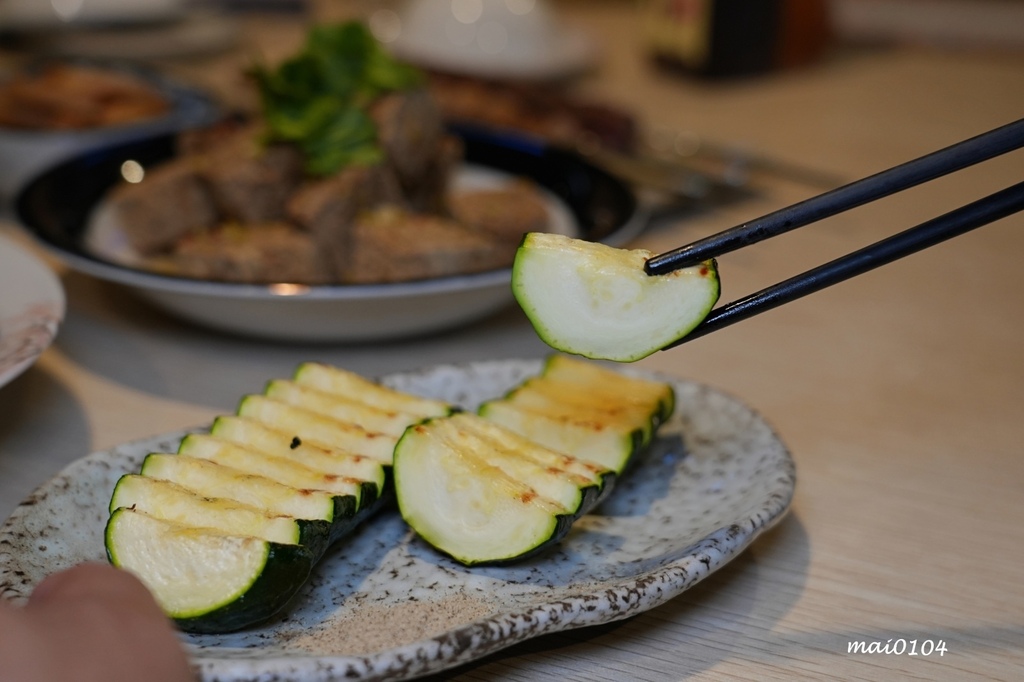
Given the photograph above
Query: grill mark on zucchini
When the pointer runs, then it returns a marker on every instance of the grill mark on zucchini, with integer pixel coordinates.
(501, 478)
(268, 439)
(211, 479)
(571, 491)
(272, 440)
(578, 437)
(318, 429)
(346, 491)
(340, 407)
(170, 501)
(277, 468)
(592, 376)
(594, 481)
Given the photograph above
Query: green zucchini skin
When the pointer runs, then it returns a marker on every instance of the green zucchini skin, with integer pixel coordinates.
(279, 576)
(589, 411)
(286, 574)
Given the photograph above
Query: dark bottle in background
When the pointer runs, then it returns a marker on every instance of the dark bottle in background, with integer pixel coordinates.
(734, 38)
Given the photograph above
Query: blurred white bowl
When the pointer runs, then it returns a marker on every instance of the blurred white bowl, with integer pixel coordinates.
(522, 39)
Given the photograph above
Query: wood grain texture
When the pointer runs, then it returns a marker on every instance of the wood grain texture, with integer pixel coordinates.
(900, 393)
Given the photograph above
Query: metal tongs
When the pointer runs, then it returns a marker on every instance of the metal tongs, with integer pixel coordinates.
(956, 157)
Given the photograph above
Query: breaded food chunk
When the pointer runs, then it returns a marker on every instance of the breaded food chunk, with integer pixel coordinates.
(506, 213)
(171, 201)
(392, 245)
(263, 253)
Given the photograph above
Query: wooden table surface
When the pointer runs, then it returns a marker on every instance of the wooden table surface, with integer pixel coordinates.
(900, 393)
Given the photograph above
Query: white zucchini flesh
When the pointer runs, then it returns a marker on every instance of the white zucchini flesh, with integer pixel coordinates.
(466, 508)
(191, 571)
(597, 301)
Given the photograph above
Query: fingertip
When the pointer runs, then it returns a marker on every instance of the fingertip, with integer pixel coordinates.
(88, 578)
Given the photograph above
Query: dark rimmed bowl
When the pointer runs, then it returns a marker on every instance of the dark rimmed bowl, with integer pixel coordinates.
(57, 206)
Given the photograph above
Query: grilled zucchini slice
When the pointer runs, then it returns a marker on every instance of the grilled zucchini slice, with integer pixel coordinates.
(312, 427)
(597, 301)
(173, 502)
(585, 410)
(343, 408)
(481, 498)
(346, 491)
(592, 378)
(210, 479)
(348, 384)
(247, 508)
(206, 580)
(273, 441)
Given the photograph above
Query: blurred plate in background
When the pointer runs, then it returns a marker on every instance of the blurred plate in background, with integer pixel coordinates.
(25, 152)
(31, 309)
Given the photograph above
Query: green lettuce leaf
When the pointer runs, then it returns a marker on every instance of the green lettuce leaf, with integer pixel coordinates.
(318, 98)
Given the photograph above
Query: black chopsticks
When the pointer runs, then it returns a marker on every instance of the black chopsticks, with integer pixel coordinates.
(961, 155)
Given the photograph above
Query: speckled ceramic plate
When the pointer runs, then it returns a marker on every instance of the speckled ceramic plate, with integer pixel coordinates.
(383, 605)
(31, 309)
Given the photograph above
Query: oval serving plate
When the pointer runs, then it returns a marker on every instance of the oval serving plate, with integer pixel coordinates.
(57, 208)
(383, 606)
